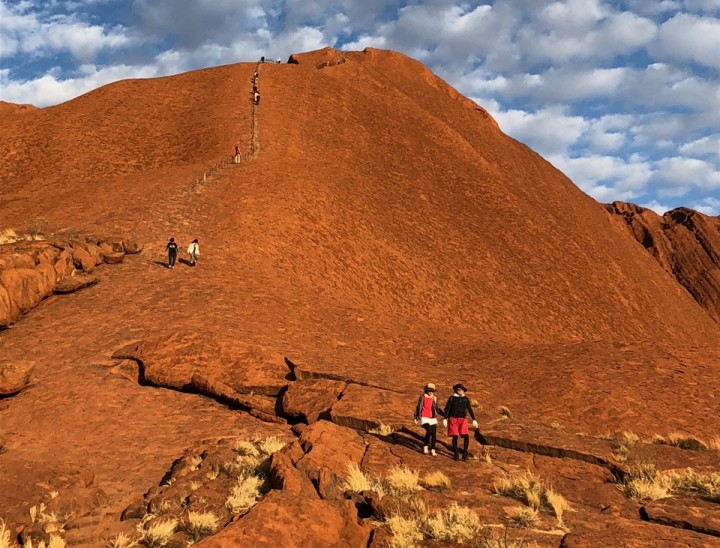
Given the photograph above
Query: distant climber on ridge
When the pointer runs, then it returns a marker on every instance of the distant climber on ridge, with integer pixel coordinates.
(193, 251)
(456, 410)
(426, 412)
(237, 155)
(172, 249)
(256, 97)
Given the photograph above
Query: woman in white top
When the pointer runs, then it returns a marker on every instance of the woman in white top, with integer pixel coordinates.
(194, 252)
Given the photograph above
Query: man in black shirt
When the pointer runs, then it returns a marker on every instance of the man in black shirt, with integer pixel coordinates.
(457, 408)
(172, 250)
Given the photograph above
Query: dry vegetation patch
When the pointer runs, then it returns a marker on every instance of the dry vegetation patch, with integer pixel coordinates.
(683, 441)
(122, 541)
(157, 532)
(435, 481)
(522, 516)
(201, 524)
(529, 489)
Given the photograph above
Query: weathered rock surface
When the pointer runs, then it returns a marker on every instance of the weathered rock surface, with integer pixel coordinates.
(330, 446)
(83, 260)
(311, 400)
(685, 243)
(14, 376)
(75, 283)
(365, 408)
(220, 363)
(685, 513)
(283, 519)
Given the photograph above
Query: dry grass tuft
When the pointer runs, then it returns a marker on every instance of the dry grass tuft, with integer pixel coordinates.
(201, 524)
(623, 443)
(406, 532)
(38, 228)
(714, 443)
(159, 532)
(683, 441)
(457, 524)
(644, 482)
(356, 481)
(522, 516)
(529, 489)
(436, 481)
(122, 541)
(492, 540)
(691, 482)
(244, 493)
(504, 412)
(382, 430)
(195, 485)
(246, 448)
(401, 481)
(271, 445)
(195, 462)
(4, 535)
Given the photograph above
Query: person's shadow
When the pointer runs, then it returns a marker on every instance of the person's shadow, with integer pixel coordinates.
(185, 262)
(161, 263)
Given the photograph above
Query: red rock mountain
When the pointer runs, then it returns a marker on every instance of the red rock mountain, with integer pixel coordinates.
(685, 243)
(378, 187)
(380, 232)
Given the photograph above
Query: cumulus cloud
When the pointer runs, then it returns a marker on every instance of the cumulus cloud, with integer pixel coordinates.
(691, 38)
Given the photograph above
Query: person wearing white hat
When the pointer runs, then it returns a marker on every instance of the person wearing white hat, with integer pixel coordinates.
(426, 412)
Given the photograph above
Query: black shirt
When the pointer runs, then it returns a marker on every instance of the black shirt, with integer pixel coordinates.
(458, 407)
(172, 247)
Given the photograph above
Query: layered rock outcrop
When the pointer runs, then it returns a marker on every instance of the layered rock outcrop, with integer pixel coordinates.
(685, 243)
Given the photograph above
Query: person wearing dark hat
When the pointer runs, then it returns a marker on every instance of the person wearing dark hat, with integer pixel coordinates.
(426, 412)
(456, 411)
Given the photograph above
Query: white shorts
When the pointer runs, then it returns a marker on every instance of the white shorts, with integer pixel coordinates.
(427, 420)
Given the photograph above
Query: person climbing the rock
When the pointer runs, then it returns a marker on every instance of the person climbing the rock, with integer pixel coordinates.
(172, 249)
(256, 97)
(426, 412)
(194, 252)
(456, 411)
(262, 59)
(237, 156)
(278, 61)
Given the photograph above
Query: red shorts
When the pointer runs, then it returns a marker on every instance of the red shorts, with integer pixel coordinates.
(457, 427)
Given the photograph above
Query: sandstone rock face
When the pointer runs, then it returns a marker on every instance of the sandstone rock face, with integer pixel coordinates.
(8, 309)
(311, 399)
(221, 362)
(65, 266)
(14, 376)
(26, 287)
(75, 283)
(361, 407)
(685, 243)
(83, 259)
(283, 519)
(110, 255)
(329, 446)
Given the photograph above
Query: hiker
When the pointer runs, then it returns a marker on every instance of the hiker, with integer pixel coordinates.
(194, 252)
(172, 249)
(279, 61)
(262, 59)
(426, 412)
(458, 406)
(256, 97)
(237, 156)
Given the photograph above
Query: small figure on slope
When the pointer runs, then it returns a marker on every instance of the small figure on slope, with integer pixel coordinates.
(172, 249)
(456, 411)
(426, 412)
(194, 252)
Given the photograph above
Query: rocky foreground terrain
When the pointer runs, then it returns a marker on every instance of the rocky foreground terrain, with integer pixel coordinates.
(380, 233)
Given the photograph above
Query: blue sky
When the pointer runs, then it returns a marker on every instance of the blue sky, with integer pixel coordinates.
(623, 96)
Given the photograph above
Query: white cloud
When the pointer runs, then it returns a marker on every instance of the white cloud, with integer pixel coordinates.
(691, 38)
(705, 146)
(548, 131)
(677, 176)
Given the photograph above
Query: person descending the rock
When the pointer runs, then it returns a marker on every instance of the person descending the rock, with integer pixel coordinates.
(237, 156)
(457, 408)
(256, 97)
(426, 412)
(172, 249)
(262, 59)
(194, 252)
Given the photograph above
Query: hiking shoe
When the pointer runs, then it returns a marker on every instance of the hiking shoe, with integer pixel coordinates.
(433, 453)
(465, 457)
(425, 449)
(456, 457)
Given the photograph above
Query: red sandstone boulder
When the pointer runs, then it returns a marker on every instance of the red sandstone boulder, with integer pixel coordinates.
(49, 277)
(26, 287)
(224, 363)
(285, 477)
(131, 246)
(8, 309)
(14, 376)
(330, 446)
(83, 260)
(284, 519)
(64, 265)
(75, 283)
(111, 255)
(311, 399)
(95, 252)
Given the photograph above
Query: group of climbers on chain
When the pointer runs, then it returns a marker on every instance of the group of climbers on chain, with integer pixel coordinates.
(455, 414)
(172, 251)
